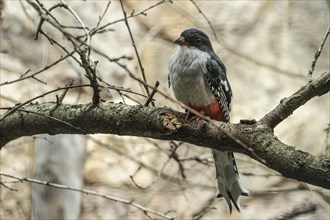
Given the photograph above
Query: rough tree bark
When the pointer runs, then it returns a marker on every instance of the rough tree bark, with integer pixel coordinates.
(255, 139)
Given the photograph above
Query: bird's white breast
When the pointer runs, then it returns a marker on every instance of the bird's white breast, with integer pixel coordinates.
(186, 69)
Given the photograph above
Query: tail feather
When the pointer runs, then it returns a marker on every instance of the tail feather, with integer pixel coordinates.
(227, 176)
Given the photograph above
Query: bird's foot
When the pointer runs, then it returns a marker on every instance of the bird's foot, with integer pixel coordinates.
(192, 117)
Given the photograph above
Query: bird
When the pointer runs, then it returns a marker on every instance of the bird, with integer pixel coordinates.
(199, 80)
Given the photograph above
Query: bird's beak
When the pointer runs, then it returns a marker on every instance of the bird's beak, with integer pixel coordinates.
(181, 41)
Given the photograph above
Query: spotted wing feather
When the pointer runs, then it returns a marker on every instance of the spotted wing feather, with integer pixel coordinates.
(217, 80)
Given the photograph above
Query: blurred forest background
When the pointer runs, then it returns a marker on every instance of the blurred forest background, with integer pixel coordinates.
(267, 47)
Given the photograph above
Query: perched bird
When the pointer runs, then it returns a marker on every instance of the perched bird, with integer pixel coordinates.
(198, 79)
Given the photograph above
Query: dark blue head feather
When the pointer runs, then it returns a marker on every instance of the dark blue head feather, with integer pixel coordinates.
(195, 38)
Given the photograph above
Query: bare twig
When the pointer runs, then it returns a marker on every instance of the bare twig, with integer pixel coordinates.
(207, 20)
(8, 187)
(145, 210)
(318, 52)
(204, 161)
(59, 99)
(18, 106)
(88, 39)
(24, 77)
(153, 92)
(40, 7)
(173, 155)
(93, 31)
(132, 178)
(132, 15)
(135, 49)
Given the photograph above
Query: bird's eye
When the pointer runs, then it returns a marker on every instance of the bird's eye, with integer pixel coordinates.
(198, 41)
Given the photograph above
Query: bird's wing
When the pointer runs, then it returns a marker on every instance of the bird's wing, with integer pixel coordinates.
(217, 80)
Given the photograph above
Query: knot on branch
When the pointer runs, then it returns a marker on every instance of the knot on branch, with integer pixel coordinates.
(170, 122)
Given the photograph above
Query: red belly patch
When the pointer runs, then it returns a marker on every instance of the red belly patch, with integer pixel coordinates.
(212, 110)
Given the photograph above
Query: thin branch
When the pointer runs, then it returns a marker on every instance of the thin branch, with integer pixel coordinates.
(93, 31)
(8, 187)
(132, 15)
(207, 20)
(153, 92)
(59, 99)
(83, 26)
(173, 155)
(145, 210)
(318, 52)
(42, 19)
(18, 106)
(204, 161)
(133, 181)
(135, 49)
(23, 77)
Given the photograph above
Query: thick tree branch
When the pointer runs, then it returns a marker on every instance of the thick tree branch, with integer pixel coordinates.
(167, 124)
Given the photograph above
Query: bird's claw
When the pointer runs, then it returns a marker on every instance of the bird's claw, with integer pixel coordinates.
(191, 117)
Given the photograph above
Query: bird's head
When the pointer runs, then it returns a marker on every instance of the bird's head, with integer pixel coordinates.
(195, 38)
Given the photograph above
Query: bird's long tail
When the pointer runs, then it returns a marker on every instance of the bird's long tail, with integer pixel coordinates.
(227, 176)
